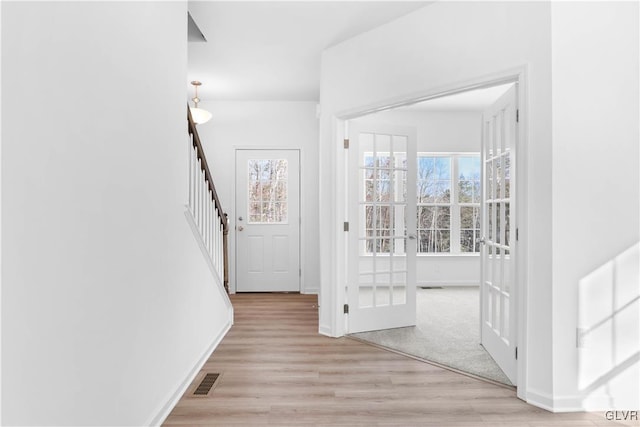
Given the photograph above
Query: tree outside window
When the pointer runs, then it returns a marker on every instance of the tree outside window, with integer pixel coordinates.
(268, 191)
(448, 203)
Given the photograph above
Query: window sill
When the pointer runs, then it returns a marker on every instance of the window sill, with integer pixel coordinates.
(447, 255)
(429, 255)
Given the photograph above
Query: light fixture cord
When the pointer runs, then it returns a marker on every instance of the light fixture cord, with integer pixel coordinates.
(196, 99)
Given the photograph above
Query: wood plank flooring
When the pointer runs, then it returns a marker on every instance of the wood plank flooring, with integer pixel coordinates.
(277, 370)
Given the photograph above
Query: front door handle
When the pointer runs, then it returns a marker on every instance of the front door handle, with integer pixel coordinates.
(240, 228)
(412, 236)
(483, 240)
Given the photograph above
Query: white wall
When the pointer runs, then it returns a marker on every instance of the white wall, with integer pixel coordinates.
(596, 281)
(571, 235)
(0, 217)
(438, 47)
(107, 303)
(267, 124)
(438, 132)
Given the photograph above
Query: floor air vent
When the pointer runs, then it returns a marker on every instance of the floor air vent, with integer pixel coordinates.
(207, 383)
(430, 287)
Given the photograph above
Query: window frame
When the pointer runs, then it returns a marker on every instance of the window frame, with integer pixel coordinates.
(459, 205)
(454, 205)
(435, 204)
(261, 201)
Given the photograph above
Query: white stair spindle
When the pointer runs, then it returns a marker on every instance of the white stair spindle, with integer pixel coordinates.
(203, 200)
(190, 166)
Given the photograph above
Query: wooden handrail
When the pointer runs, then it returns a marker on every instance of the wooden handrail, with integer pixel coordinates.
(195, 138)
(205, 168)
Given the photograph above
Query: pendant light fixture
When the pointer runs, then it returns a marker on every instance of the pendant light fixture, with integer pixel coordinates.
(199, 115)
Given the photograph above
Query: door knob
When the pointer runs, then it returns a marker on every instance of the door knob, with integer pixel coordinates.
(483, 240)
(412, 236)
(240, 228)
(239, 218)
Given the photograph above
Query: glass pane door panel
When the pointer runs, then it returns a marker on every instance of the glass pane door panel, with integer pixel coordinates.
(382, 174)
(505, 319)
(365, 296)
(383, 294)
(507, 266)
(400, 294)
(267, 191)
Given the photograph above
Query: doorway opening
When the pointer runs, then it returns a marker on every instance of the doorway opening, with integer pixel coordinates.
(432, 206)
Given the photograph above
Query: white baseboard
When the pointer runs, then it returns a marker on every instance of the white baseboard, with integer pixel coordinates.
(576, 403)
(166, 409)
(539, 399)
(447, 283)
(568, 404)
(325, 330)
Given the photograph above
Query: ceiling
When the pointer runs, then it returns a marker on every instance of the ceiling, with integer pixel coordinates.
(271, 50)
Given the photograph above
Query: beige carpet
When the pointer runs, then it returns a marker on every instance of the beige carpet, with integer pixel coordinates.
(447, 332)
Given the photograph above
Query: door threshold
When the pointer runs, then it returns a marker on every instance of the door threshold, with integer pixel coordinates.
(430, 362)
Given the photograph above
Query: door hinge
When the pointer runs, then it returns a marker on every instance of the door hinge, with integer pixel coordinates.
(300, 272)
(517, 116)
(346, 309)
(517, 235)
(516, 353)
(346, 143)
(346, 226)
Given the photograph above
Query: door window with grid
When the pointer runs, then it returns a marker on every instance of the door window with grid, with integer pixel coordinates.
(268, 191)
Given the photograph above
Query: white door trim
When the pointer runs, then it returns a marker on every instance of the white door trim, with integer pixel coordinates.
(231, 211)
(337, 262)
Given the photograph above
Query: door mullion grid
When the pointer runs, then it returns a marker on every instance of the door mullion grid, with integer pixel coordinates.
(512, 226)
(494, 225)
(392, 213)
(374, 221)
(399, 225)
(502, 224)
(484, 219)
(454, 222)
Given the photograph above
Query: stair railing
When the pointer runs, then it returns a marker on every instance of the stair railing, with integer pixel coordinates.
(205, 206)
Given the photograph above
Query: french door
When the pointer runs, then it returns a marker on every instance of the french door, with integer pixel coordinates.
(498, 308)
(382, 228)
(268, 220)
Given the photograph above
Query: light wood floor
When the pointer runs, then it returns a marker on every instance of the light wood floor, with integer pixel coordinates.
(277, 370)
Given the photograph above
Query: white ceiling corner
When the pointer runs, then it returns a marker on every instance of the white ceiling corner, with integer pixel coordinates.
(271, 50)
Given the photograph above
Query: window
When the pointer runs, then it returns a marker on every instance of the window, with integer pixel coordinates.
(448, 202)
(434, 204)
(469, 202)
(268, 191)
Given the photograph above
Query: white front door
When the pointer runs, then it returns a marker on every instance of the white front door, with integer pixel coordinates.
(498, 308)
(268, 220)
(381, 228)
